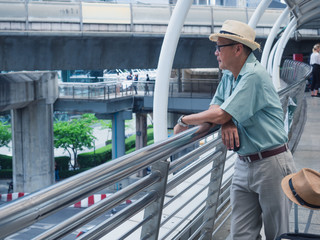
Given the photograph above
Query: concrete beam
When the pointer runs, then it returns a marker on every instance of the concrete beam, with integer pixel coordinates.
(94, 106)
(19, 89)
(16, 91)
(97, 52)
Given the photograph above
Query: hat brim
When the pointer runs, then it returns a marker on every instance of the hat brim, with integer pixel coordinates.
(286, 189)
(251, 44)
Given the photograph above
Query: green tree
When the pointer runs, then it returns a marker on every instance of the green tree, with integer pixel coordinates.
(5, 134)
(75, 135)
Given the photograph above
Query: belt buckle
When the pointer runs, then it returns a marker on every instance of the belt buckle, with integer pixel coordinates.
(247, 159)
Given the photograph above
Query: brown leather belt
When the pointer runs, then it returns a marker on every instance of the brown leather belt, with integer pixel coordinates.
(264, 154)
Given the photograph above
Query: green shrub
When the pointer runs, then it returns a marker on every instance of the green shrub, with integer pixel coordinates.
(6, 173)
(86, 160)
(104, 154)
(149, 134)
(5, 162)
(95, 158)
(63, 162)
(130, 143)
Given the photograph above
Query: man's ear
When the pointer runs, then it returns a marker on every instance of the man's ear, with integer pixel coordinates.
(239, 47)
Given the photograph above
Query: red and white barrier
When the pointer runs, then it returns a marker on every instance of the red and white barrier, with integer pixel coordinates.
(11, 196)
(87, 202)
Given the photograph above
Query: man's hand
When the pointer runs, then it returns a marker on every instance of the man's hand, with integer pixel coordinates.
(178, 128)
(229, 134)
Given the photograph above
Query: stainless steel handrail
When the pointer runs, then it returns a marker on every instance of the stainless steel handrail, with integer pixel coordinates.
(165, 190)
(38, 205)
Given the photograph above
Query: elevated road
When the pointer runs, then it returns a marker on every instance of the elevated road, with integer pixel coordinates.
(48, 35)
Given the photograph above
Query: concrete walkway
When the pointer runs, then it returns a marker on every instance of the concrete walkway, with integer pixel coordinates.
(307, 155)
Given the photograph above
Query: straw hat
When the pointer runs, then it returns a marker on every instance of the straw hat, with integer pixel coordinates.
(303, 188)
(237, 31)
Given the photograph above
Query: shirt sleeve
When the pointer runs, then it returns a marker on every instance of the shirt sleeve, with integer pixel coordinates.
(219, 96)
(246, 99)
(318, 59)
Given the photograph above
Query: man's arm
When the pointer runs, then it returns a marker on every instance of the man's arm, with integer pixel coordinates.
(214, 115)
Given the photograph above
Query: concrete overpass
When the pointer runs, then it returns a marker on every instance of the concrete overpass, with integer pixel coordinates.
(90, 35)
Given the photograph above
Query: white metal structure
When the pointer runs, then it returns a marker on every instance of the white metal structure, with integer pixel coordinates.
(305, 14)
(166, 59)
(278, 55)
(272, 36)
(168, 50)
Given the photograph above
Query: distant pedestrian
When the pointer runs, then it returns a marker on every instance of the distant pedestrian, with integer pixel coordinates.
(135, 83)
(146, 87)
(129, 77)
(315, 63)
(118, 84)
(56, 171)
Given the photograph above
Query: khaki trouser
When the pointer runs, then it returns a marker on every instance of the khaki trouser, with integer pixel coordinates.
(257, 197)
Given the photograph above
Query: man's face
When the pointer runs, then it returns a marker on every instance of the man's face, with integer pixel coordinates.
(226, 53)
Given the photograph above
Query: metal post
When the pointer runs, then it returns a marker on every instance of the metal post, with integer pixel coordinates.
(131, 18)
(213, 194)
(81, 16)
(150, 230)
(26, 4)
(168, 49)
(296, 223)
(212, 21)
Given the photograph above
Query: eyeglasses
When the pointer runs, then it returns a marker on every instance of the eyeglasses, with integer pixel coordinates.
(218, 47)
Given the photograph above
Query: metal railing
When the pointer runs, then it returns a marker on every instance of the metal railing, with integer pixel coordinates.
(186, 88)
(187, 198)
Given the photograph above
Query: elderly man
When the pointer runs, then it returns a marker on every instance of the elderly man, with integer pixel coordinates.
(248, 108)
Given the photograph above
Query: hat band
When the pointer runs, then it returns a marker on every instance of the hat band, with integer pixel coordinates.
(226, 32)
(300, 200)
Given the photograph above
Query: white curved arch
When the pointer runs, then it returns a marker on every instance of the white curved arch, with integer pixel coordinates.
(277, 59)
(257, 14)
(271, 57)
(168, 49)
(272, 36)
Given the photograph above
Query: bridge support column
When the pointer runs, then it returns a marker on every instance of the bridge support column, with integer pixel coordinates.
(141, 130)
(141, 136)
(33, 156)
(118, 133)
(30, 96)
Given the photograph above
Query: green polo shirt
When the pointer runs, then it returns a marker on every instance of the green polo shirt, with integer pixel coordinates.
(254, 105)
